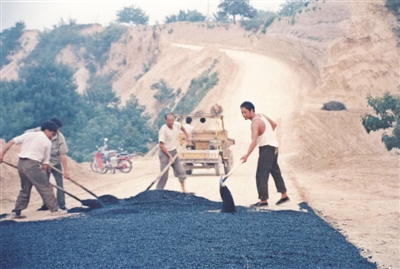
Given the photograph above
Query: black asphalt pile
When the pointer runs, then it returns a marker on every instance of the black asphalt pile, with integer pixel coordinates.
(163, 229)
(333, 106)
(109, 199)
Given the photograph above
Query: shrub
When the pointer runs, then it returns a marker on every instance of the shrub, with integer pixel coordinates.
(263, 18)
(10, 41)
(198, 89)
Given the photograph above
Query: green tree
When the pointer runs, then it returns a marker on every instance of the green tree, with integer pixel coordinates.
(237, 8)
(394, 6)
(10, 41)
(190, 15)
(14, 116)
(100, 90)
(221, 17)
(164, 93)
(50, 87)
(387, 109)
(132, 15)
(290, 7)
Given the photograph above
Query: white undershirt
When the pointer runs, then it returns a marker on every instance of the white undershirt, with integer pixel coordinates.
(268, 137)
(169, 137)
(35, 146)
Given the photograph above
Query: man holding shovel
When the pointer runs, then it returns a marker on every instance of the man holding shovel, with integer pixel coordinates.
(34, 158)
(168, 138)
(262, 134)
(58, 160)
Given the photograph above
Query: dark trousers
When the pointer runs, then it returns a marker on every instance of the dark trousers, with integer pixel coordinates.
(32, 174)
(177, 166)
(59, 181)
(268, 164)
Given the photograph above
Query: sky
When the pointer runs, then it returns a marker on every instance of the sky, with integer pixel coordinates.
(44, 14)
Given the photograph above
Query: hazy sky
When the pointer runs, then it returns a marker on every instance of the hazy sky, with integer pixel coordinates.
(41, 14)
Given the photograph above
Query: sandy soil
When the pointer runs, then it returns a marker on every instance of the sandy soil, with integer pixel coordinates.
(350, 190)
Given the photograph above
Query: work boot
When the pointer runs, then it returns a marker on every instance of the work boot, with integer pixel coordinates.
(17, 215)
(43, 208)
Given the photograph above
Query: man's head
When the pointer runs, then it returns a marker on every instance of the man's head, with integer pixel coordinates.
(169, 119)
(247, 109)
(57, 122)
(188, 120)
(49, 128)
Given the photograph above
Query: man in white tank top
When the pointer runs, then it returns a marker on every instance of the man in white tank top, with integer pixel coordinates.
(263, 135)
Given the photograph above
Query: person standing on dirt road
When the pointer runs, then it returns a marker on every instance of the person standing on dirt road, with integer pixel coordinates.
(34, 158)
(58, 159)
(168, 138)
(262, 134)
(190, 130)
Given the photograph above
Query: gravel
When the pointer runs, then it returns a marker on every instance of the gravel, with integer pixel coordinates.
(166, 229)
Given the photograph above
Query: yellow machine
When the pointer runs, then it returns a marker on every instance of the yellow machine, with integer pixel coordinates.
(210, 144)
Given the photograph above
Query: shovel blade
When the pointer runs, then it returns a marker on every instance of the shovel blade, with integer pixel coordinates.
(228, 205)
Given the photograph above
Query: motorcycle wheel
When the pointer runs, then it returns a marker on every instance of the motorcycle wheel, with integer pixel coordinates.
(93, 166)
(124, 166)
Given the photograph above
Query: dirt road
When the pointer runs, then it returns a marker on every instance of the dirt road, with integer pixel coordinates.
(274, 89)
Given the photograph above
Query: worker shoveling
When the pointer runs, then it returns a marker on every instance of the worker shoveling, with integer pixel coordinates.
(91, 203)
(228, 205)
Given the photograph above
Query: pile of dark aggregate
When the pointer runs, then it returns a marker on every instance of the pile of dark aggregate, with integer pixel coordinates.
(165, 229)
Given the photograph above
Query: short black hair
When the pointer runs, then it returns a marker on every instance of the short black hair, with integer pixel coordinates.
(56, 121)
(188, 120)
(49, 125)
(248, 105)
(169, 113)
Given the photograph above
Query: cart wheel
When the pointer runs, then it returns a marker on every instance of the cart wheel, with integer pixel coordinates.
(189, 171)
(229, 163)
(219, 166)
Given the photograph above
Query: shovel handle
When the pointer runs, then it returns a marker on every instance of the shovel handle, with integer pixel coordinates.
(162, 172)
(10, 164)
(59, 171)
(61, 189)
(232, 170)
(166, 168)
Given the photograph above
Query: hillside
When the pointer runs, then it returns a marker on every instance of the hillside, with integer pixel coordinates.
(337, 51)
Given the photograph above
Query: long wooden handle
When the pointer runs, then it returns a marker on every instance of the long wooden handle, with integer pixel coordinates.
(59, 171)
(162, 172)
(10, 164)
(230, 172)
(61, 189)
(166, 168)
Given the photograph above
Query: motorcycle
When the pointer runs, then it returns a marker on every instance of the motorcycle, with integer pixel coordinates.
(110, 160)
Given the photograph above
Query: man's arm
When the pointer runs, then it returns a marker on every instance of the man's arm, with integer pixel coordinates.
(164, 149)
(273, 124)
(63, 158)
(63, 154)
(46, 159)
(253, 144)
(186, 134)
(5, 149)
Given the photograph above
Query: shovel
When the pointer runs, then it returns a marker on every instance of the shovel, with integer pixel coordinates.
(88, 203)
(57, 170)
(165, 169)
(162, 172)
(228, 205)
